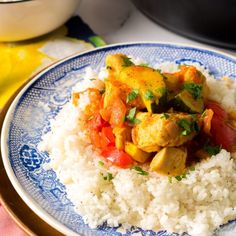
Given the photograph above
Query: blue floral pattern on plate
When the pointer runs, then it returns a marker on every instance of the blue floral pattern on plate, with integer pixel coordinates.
(43, 99)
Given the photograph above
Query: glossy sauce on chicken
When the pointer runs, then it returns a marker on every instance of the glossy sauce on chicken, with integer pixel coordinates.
(165, 119)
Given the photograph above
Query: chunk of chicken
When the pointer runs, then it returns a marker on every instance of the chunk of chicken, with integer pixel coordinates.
(148, 82)
(190, 74)
(169, 161)
(136, 153)
(187, 74)
(163, 130)
(116, 89)
(115, 63)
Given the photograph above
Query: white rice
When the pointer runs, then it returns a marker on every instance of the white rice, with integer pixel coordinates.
(197, 204)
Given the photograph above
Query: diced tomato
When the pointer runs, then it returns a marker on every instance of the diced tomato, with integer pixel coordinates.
(218, 110)
(102, 138)
(96, 122)
(107, 137)
(118, 111)
(117, 157)
(222, 133)
(114, 113)
(95, 138)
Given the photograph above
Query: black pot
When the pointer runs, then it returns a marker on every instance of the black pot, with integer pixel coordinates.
(209, 21)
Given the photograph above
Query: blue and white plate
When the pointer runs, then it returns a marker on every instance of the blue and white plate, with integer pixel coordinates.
(40, 101)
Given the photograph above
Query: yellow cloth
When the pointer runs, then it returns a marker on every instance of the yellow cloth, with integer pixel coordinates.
(19, 61)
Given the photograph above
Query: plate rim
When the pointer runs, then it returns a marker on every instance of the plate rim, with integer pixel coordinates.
(3, 202)
(33, 205)
(8, 206)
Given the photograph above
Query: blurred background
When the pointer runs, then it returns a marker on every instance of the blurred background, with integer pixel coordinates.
(32, 35)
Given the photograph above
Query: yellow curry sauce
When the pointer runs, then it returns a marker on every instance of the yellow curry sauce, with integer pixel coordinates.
(165, 119)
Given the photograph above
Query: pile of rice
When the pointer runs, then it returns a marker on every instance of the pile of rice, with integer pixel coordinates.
(197, 204)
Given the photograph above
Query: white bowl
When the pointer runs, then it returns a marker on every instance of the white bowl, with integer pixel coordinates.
(27, 19)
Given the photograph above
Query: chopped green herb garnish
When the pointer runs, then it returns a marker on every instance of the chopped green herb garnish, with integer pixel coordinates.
(144, 64)
(108, 177)
(195, 126)
(194, 116)
(101, 163)
(191, 168)
(184, 175)
(139, 170)
(194, 89)
(211, 150)
(127, 62)
(132, 95)
(109, 67)
(162, 91)
(136, 121)
(185, 125)
(188, 126)
(149, 95)
(158, 70)
(203, 114)
(179, 178)
(92, 79)
(165, 116)
(131, 116)
(185, 132)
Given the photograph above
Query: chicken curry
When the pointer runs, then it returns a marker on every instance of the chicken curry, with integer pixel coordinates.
(164, 119)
